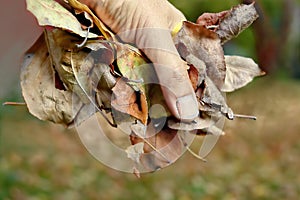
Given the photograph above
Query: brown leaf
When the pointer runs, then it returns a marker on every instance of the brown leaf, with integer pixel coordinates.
(212, 130)
(240, 72)
(126, 100)
(51, 13)
(38, 88)
(211, 19)
(101, 51)
(76, 68)
(61, 45)
(205, 45)
(198, 123)
(211, 100)
(239, 18)
(79, 7)
(197, 71)
(103, 82)
(161, 149)
(85, 19)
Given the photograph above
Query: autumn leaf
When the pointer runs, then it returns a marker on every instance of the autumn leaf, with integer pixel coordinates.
(51, 13)
(160, 149)
(236, 21)
(212, 130)
(126, 100)
(79, 7)
(212, 98)
(240, 72)
(102, 82)
(211, 20)
(205, 45)
(197, 71)
(43, 99)
(198, 123)
(62, 59)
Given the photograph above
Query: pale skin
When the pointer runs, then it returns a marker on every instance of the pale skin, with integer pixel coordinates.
(148, 24)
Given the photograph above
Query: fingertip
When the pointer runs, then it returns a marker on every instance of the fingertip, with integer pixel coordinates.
(187, 107)
(184, 108)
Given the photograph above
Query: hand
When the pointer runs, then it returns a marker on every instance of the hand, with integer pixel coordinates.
(148, 24)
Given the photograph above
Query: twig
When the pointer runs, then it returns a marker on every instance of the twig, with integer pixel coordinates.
(14, 104)
(245, 116)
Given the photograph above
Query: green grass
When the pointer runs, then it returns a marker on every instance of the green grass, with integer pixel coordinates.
(254, 160)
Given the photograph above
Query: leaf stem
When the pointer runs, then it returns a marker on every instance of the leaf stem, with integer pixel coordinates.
(85, 39)
(196, 155)
(245, 116)
(154, 148)
(14, 104)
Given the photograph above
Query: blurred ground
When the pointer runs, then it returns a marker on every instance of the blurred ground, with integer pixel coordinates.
(255, 160)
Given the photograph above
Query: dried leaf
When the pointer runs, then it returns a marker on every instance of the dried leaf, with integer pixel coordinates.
(212, 130)
(212, 99)
(240, 72)
(198, 123)
(205, 45)
(211, 20)
(38, 88)
(63, 59)
(51, 13)
(197, 71)
(85, 19)
(135, 151)
(79, 7)
(135, 67)
(101, 51)
(103, 82)
(126, 100)
(239, 18)
(161, 149)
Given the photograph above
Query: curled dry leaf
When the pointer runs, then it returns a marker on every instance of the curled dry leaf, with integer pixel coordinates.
(43, 99)
(238, 19)
(51, 13)
(240, 72)
(205, 45)
(79, 7)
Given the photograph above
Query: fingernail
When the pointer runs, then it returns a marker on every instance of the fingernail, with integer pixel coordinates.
(187, 107)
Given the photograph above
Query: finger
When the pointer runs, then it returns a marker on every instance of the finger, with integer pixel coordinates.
(171, 70)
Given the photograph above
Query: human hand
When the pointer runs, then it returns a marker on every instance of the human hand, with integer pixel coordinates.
(148, 24)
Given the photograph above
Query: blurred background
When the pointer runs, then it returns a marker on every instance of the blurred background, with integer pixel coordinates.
(254, 160)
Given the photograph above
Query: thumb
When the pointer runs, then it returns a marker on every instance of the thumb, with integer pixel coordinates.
(171, 70)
